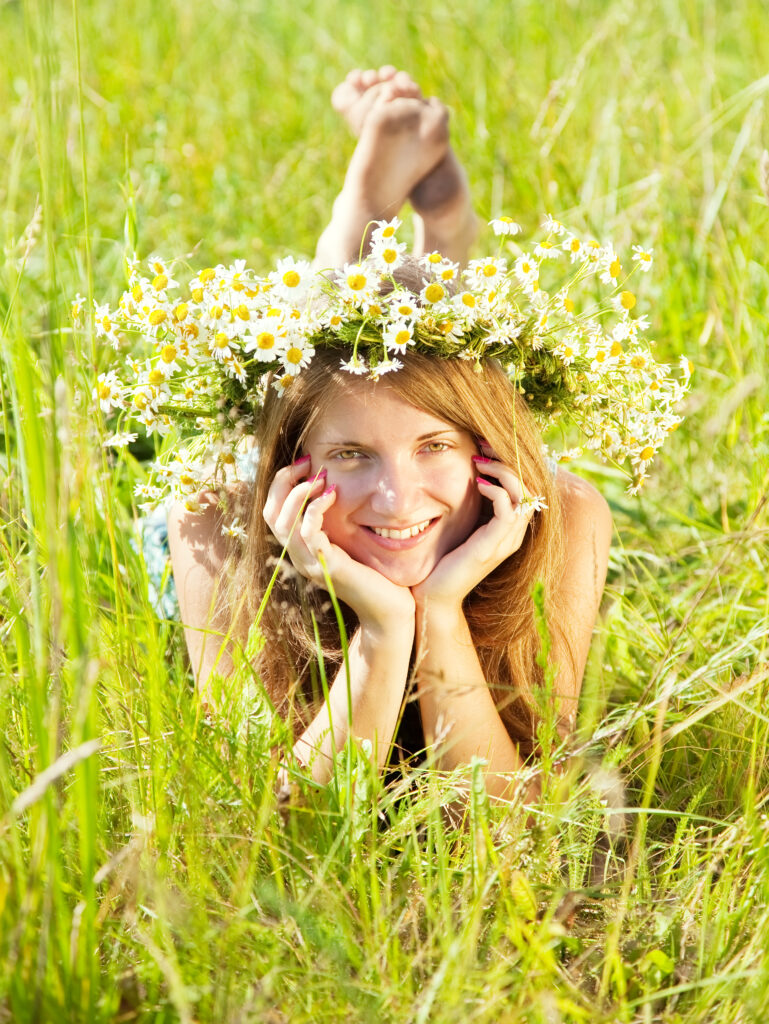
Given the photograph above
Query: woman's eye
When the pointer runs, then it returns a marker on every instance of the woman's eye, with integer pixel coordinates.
(347, 454)
(436, 446)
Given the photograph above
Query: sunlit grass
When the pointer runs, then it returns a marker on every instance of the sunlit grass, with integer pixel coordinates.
(147, 870)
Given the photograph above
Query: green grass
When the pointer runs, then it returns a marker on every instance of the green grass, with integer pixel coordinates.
(147, 871)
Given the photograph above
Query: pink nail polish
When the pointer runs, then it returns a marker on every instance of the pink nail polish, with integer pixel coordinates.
(298, 462)
(329, 490)
(480, 480)
(479, 458)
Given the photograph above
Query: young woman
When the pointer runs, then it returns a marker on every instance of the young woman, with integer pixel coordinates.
(409, 494)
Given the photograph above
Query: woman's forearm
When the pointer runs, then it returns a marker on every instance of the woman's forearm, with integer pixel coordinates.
(458, 711)
(368, 706)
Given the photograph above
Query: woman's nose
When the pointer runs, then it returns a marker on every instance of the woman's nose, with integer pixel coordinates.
(396, 491)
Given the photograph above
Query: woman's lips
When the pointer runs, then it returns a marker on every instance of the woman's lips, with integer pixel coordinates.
(404, 540)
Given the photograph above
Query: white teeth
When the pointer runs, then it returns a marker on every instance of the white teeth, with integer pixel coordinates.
(410, 531)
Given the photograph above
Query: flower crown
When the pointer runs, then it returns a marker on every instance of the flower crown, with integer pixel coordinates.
(212, 349)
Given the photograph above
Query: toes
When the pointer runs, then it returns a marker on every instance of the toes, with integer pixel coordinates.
(369, 77)
(406, 85)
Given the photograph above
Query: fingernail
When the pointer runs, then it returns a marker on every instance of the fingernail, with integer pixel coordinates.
(329, 490)
(298, 462)
(480, 480)
(479, 458)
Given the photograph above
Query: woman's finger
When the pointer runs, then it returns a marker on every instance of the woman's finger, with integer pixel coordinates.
(507, 477)
(283, 483)
(282, 520)
(311, 529)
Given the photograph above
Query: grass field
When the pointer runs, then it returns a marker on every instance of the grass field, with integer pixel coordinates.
(146, 872)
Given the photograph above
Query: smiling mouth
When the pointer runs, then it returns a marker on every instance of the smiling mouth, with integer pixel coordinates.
(410, 531)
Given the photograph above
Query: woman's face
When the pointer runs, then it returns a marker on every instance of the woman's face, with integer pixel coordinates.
(405, 482)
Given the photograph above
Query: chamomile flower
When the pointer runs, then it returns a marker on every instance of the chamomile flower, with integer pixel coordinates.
(354, 365)
(486, 273)
(387, 254)
(385, 231)
(399, 336)
(291, 278)
(296, 355)
(434, 293)
(109, 392)
(552, 226)
(105, 324)
(530, 504)
(386, 366)
(265, 339)
(505, 226)
(403, 306)
(573, 246)
(611, 267)
(526, 269)
(76, 308)
(120, 440)
(643, 258)
(235, 529)
(358, 282)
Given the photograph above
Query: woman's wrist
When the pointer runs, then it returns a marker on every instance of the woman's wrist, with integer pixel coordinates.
(390, 623)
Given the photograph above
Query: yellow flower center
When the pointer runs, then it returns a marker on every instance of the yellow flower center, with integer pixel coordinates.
(647, 453)
(140, 400)
(627, 300)
(600, 356)
(197, 294)
(265, 340)
(356, 282)
(568, 352)
(216, 312)
(192, 330)
(159, 282)
(389, 255)
(434, 292)
(402, 338)
(568, 305)
(446, 327)
(168, 353)
(106, 323)
(489, 270)
(180, 313)
(616, 349)
(157, 316)
(221, 340)
(207, 275)
(291, 279)
(388, 232)
(228, 458)
(242, 312)
(614, 268)
(574, 245)
(155, 377)
(294, 355)
(638, 362)
(468, 299)
(434, 257)
(104, 391)
(136, 293)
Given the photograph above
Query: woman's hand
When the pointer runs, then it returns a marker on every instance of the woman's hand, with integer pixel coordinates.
(461, 570)
(294, 510)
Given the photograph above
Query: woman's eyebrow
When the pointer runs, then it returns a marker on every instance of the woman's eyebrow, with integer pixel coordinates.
(363, 444)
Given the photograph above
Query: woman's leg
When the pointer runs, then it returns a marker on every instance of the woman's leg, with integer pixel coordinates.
(403, 152)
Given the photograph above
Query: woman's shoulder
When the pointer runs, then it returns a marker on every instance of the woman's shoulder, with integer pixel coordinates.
(582, 503)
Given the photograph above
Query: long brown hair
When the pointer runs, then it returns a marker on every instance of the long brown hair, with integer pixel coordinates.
(500, 611)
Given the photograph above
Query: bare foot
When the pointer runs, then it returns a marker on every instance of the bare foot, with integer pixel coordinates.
(441, 197)
(401, 140)
(354, 97)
